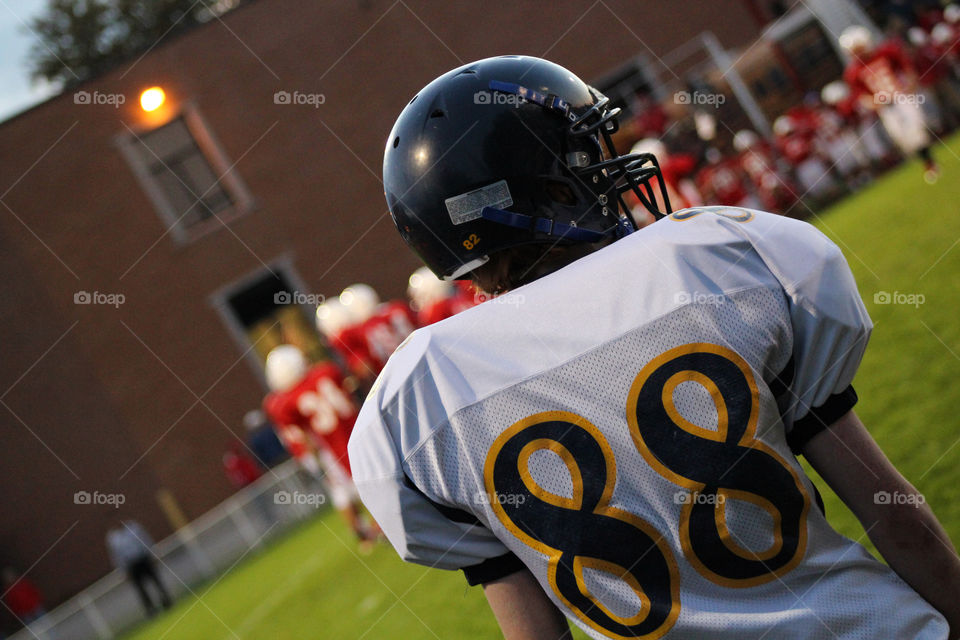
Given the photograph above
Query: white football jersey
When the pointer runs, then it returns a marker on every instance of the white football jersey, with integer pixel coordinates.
(625, 428)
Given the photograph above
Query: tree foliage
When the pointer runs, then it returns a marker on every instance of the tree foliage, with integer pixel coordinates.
(79, 39)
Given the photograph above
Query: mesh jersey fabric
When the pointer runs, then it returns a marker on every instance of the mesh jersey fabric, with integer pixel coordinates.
(622, 427)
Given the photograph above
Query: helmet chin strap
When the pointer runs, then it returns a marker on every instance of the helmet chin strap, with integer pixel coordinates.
(551, 227)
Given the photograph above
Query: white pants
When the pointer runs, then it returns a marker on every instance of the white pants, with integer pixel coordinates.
(906, 126)
(342, 490)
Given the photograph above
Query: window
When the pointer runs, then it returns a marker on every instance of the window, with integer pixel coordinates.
(186, 176)
(626, 85)
(267, 308)
(812, 56)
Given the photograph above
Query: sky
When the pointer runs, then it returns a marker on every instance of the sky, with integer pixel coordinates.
(16, 91)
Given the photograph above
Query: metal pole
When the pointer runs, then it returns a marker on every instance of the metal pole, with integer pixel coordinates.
(722, 59)
(94, 616)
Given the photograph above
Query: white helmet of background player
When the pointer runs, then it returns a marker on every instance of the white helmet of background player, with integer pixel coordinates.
(856, 40)
(651, 145)
(745, 139)
(952, 13)
(942, 34)
(835, 92)
(332, 317)
(425, 287)
(360, 300)
(783, 126)
(917, 36)
(286, 365)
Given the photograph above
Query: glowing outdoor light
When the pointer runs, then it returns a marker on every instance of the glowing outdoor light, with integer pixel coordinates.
(152, 99)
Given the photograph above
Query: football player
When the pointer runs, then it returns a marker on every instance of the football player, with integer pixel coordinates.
(314, 416)
(382, 327)
(620, 446)
(797, 136)
(884, 80)
(346, 338)
(722, 180)
(759, 162)
(846, 150)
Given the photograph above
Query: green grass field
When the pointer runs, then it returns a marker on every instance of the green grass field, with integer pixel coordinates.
(899, 235)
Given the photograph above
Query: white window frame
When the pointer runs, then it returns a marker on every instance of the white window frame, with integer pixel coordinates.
(228, 177)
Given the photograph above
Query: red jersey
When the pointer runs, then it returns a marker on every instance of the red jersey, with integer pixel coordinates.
(351, 345)
(320, 407)
(759, 163)
(385, 330)
(931, 64)
(953, 47)
(240, 469)
(22, 598)
(462, 298)
(879, 72)
(796, 147)
(724, 181)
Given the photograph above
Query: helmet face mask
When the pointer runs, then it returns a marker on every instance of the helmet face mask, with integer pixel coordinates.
(506, 152)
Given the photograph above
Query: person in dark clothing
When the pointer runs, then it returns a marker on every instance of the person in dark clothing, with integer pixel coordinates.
(262, 439)
(129, 546)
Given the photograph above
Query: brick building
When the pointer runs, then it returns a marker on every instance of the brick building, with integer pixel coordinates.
(137, 387)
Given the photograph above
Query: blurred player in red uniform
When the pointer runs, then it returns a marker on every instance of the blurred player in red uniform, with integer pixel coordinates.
(21, 597)
(722, 181)
(758, 160)
(240, 468)
(847, 151)
(947, 36)
(797, 138)
(314, 416)
(434, 299)
(941, 101)
(346, 338)
(883, 79)
(383, 326)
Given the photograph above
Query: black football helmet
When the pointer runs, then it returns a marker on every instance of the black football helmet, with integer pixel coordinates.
(504, 152)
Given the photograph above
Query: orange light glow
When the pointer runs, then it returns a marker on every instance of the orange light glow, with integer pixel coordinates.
(152, 99)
